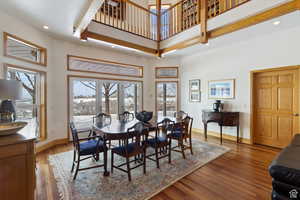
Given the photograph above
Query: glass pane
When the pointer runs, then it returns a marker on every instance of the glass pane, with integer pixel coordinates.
(27, 108)
(129, 97)
(171, 98)
(84, 102)
(110, 98)
(160, 99)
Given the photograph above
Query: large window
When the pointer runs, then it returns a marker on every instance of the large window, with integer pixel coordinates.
(166, 98)
(91, 96)
(31, 108)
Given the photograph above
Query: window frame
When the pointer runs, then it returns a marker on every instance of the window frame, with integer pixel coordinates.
(141, 68)
(177, 94)
(163, 77)
(43, 97)
(69, 80)
(43, 51)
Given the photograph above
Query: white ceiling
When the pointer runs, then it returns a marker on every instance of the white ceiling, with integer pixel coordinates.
(61, 15)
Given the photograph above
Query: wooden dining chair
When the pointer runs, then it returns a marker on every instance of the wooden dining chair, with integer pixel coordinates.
(161, 143)
(138, 135)
(180, 114)
(182, 131)
(126, 116)
(88, 148)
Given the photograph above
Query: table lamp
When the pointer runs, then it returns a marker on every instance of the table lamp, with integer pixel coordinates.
(9, 90)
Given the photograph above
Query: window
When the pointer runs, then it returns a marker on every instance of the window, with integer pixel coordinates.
(165, 20)
(76, 63)
(24, 50)
(166, 98)
(89, 96)
(31, 108)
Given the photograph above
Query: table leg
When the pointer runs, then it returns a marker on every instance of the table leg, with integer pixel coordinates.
(205, 131)
(221, 134)
(237, 134)
(106, 173)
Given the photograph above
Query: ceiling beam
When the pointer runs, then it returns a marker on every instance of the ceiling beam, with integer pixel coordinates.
(240, 24)
(86, 18)
(87, 34)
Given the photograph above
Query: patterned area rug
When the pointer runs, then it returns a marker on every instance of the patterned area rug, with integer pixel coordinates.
(92, 185)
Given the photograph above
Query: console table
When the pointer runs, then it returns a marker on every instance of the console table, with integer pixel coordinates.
(223, 119)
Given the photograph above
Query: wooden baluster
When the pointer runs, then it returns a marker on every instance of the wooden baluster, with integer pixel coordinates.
(230, 4)
(118, 14)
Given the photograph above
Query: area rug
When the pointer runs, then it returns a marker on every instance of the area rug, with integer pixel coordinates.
(92, 185)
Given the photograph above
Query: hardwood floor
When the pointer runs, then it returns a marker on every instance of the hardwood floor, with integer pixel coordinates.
(241, 174)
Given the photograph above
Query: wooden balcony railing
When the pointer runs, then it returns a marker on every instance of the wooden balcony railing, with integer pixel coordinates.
(128, 16)
(186, 14)
(133, 18)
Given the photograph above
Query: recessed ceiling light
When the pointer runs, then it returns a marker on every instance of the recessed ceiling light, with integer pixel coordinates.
(207, 44)
(46, 27)
(276, 23)
(113, 46)
(83, 40)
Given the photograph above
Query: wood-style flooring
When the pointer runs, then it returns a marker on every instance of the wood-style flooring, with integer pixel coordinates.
(241, 174)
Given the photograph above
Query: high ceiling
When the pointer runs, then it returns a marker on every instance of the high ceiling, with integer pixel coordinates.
(59, 15)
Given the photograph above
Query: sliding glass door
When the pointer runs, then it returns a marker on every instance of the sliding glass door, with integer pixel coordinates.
(166, 98)
(91, 96)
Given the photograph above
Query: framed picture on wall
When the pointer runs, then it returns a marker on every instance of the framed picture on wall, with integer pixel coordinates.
(194, 90)
(221, 89)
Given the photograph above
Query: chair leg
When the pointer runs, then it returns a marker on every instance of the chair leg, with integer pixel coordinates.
(156, 157)
(170, 150)
(112, 162)
(73, 165)
(128, 169)
(144, 160)
(77, 167)
(182, 149)
(191, 147)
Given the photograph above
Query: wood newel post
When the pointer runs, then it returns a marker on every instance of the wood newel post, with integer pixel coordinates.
(203, 21)
(158, 8)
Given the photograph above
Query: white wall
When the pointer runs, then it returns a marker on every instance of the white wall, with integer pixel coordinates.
(235, 62)
(57, 69)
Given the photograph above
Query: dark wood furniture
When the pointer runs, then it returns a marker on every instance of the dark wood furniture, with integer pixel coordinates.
(182, 132)
(126, 116)
(117, 129)
(87, 148)
(134, 148)
(17, 167)
(223, 119)
(161, 143)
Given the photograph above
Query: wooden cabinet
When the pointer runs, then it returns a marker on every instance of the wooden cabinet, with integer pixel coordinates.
(17, 168)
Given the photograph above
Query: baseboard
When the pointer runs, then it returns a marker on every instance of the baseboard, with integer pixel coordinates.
(51, 144)
(225, 136)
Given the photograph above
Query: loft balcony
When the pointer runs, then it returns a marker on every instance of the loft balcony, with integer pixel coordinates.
(161, 28)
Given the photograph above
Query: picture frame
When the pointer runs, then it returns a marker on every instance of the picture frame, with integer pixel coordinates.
(221, 89)
(166, 72)
(195, 90)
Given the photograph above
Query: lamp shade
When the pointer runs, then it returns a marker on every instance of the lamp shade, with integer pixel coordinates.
(10, 89)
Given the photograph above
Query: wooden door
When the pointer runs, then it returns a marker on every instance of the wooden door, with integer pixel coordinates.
(275, 107)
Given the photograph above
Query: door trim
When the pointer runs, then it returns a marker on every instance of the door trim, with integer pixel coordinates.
(252, 73)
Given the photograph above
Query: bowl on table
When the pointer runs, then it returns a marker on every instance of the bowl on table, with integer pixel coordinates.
(144, 116)
(10, 128)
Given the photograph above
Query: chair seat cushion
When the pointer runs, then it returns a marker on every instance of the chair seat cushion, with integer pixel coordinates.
(90, 147)
(121, 150)
(176, 134)
(159, 141)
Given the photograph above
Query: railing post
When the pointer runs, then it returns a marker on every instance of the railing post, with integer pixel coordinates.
(158, 8)
(203, 21)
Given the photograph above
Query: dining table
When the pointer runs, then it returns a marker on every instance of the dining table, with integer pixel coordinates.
(117, 130)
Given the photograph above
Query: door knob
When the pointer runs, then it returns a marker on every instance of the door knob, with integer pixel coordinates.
(296, 114)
